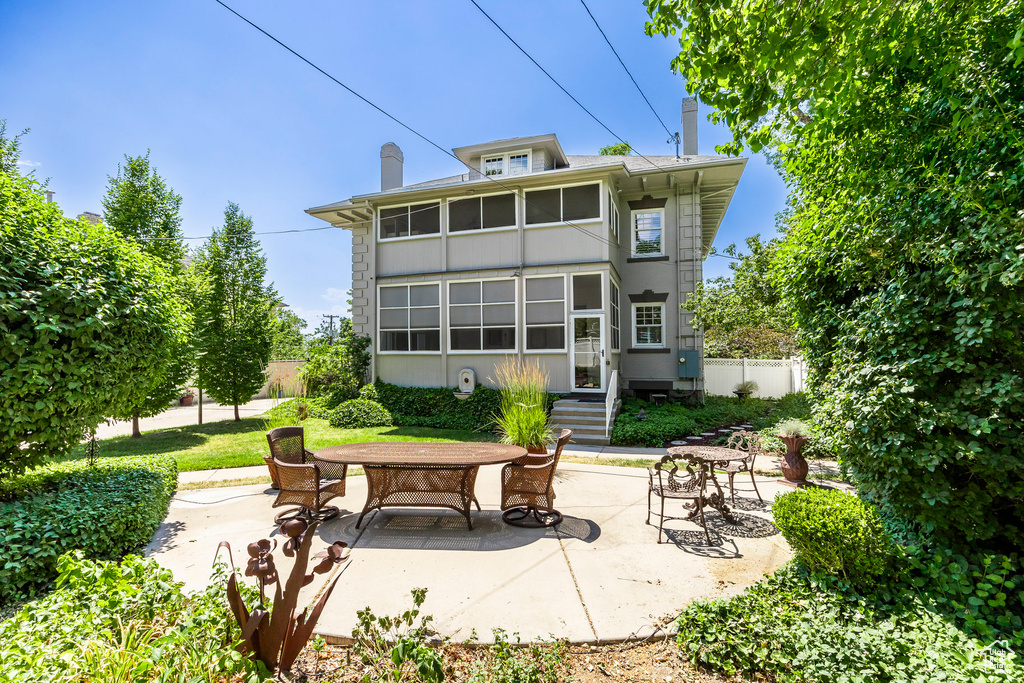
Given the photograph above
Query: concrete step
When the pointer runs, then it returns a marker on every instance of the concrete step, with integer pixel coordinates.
(583, 430)
(584, 440)
(582, 418)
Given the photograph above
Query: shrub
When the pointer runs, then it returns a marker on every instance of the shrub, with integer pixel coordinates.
(84, 314)
(338, 368)
(795, 626)
(358, 413)
(369, 392)
(104, 511)
(438, 407)
(121, 621)
(659, 426)
(834, 531)
(674, 421)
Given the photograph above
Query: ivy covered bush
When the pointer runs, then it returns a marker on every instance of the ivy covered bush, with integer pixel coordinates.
(105, 511)
(835, 532)
(126, 621)
(358, 413)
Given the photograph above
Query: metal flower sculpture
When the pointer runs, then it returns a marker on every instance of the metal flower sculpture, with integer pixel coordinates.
(276, 637)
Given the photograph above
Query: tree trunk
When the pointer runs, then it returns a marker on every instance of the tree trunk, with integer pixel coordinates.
(237, 419)
(200, 406)
(136, 433)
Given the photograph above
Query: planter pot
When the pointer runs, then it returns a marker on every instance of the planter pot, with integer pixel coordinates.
(741, 394)
(794, 466)
(537, 450)
(186, 400)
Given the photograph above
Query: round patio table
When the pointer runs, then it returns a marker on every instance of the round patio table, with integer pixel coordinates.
(708, 458)
(417, 474)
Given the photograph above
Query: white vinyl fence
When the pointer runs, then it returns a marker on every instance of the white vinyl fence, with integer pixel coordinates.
(775, 378)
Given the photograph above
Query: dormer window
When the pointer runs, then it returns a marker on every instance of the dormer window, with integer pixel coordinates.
(513, 163)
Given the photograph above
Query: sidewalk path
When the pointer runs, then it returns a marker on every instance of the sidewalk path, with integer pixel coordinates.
(185, 416)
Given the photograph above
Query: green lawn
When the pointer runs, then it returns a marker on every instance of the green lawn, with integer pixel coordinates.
(236, 444)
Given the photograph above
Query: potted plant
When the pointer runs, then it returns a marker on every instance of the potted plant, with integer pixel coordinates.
(794, 434)
(745, 389)
(523, 416)
(186, 399)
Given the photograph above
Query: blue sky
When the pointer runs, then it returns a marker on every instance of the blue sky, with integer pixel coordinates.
(230, 116)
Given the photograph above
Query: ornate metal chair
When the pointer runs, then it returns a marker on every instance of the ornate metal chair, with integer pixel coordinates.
(668, 481)
(751, 443)
(527, 496)
(309, 486)
(287, 444)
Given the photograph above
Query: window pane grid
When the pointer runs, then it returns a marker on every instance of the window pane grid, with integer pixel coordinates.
(410, 221)
(545, 314)
(518, 164)
(615, 316)
(410, 318)
(481, 316)
(648, 325)
(578, 202)
(494, 166)
(647, 233)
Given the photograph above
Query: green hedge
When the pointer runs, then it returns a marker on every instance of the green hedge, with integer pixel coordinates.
(438, 407)
(358, 413)
(124, 621)
(106, 510)
(834, 531)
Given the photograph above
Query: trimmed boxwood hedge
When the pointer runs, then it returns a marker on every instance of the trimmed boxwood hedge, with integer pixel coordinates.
(106, 511)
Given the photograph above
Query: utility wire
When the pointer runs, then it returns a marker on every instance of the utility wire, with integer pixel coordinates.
(615, 52)
(560, 86)
(416, 132)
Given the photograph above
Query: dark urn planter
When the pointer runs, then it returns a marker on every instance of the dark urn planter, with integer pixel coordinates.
(186, 400)
(741, 394)
(794, 466)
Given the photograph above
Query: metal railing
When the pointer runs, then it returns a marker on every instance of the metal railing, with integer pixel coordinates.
(609, 402)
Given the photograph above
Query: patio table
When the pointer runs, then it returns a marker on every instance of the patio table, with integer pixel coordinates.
(416, 474)
(709, 458)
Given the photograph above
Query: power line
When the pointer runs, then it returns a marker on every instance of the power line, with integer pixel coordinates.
(615, 52)
(420, 135)
(560, 86)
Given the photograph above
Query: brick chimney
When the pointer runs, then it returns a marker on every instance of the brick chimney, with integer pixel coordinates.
(391, 161)
(689, 121)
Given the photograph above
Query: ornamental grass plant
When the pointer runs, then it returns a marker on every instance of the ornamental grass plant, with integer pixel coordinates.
(522, 419)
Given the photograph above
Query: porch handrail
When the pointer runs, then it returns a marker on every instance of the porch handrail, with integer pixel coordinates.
(609, 401)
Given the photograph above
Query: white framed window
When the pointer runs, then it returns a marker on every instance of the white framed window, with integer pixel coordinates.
(409, 318)
(587, 292)
(647, 232)
(410, 221)
(613, 217)
(545, 313)
(559, 204)
(616, 324)
(649, 325)
(486, 212)
(512, 163)
(482, 315)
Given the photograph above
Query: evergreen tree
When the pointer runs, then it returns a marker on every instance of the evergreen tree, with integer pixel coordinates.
(141, 207)
(234, 320)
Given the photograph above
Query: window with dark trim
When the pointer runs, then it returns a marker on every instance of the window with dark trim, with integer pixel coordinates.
(482, 315)
(476, 213)
(615, 316)
(545, 313)
(410, 221)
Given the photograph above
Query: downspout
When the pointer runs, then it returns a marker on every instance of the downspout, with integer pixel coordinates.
(375, 335)
(698, 179)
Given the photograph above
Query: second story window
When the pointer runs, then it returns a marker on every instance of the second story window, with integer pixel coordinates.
(482, 213)
(494, 166)
(579, 202)
(518, 164)
(513, 163)
(649, 325)
(647, 232)
(410, 221)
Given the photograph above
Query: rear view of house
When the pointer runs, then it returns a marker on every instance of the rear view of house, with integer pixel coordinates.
(579, 261)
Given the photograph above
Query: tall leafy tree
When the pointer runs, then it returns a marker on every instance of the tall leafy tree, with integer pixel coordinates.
(235, 325)
(83, 313)
(744, 316)
(142, 208)
(899, 129)
(287, 342)
(617, 149)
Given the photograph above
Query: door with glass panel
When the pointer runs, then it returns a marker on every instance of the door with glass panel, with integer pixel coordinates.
(588, 352)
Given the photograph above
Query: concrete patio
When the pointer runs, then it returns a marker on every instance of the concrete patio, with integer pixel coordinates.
(599, 577)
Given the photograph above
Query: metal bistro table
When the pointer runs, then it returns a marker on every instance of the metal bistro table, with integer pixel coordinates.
(405, 474)
(708, 458)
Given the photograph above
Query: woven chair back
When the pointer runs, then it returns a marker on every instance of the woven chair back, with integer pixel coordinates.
(287, 444)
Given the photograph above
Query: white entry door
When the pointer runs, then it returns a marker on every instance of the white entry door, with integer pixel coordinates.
(588, 352)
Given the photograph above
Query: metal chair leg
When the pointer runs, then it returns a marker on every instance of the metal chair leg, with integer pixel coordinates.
(703, 522)
(732, 487)
(661, 519)
(754, 482)
(648, 506)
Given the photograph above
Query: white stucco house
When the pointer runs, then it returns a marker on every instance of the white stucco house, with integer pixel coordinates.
(581, 261)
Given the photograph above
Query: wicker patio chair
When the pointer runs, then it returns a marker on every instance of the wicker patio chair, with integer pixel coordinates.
(527, 496)
(666, 480)
(287, 444)
(309, 486)
(751, 443)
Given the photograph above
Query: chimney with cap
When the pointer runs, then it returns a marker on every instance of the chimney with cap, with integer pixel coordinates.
(391, 161)
(689, 121)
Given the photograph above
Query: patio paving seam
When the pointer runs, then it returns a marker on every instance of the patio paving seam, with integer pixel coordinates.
(575, 583)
